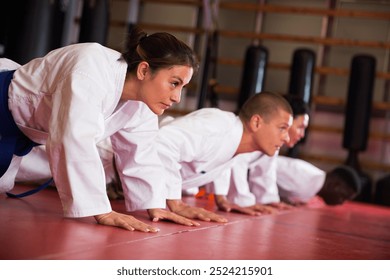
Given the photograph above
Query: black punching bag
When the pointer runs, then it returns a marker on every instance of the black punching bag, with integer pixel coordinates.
(302, 73)
(359, 103)
(94, 21)
(357, 116)
(382, 191)
(209, 72)
(34, 29)
(254, 70)
(7, 10)
(301, 83)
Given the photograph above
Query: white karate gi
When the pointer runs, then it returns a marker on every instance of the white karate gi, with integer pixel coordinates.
(197, 147)
(70, 101)
(233, 182)
(7, 64)
(298, 180)
(258, 178)
(35, 168)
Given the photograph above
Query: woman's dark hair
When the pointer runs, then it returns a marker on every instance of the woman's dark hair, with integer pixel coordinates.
(159, 50)
(297, 104)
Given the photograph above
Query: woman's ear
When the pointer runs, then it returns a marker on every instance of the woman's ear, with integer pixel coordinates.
(255, 122)
(142, 69)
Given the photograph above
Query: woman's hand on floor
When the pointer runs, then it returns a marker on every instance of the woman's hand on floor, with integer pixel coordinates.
(124, 221)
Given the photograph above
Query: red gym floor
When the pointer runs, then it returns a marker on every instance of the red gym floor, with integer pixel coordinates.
(33, 228)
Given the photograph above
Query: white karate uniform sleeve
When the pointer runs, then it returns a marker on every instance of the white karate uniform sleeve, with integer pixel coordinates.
(174, 146)
(263, 179)
(139, 166)
(239, 191)
(75, 126)
(107, 157)
(7, 64)
(298, 180)
(221, 185)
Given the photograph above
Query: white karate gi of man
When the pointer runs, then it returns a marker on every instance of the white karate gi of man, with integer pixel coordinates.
(256, 179)
(199, 147)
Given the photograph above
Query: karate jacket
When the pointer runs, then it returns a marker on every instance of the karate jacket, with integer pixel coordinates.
(258, 178)
(70, 101)
(196, 148)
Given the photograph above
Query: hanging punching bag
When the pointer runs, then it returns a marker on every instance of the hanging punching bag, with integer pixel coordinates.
(132, 14)
(35, 29)
(94, 21)
(382, 191)
(302, 73)
(359, 102)
(301, 84)
(357, 116)
(254, 71)
(6, 10)
(209, 73)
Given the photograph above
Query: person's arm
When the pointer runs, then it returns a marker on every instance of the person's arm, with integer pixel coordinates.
(220, 188)
(238, 197)
(191, 212)
(177, 145)
(298, 189)
(227, 205)
(74, 126)
(158, 214)
(231, 181)
(124, 221)
(137, 162)
(263, 179)
(141, 171)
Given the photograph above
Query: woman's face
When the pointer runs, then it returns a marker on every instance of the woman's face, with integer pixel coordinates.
(297, 130)
(161, 89)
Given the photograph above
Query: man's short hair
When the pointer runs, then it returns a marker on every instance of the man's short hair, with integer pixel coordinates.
(265, 104)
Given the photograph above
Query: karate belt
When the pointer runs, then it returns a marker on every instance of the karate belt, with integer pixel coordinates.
(12, 140)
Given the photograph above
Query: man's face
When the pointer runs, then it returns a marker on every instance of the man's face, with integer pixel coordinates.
(273, 133)
(297, 129)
